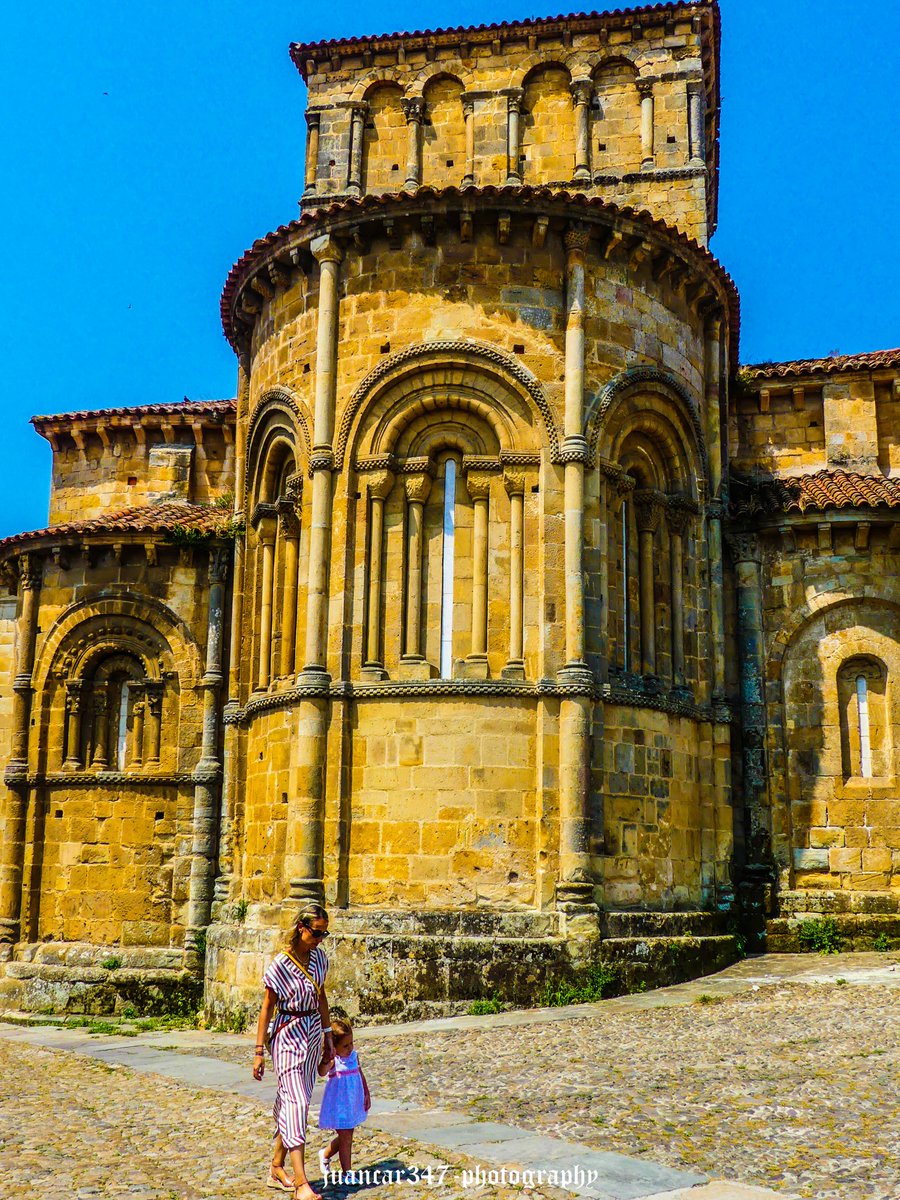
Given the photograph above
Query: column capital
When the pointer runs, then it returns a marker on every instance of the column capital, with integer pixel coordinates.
(678, 516)
(648, 510)
(478, 484)
(358, 108)
(577, 237)
(514, 98)
(325, 249)
(514, 480)
(413, 108)
(644, 87)
(379, 484)
(312, 118)
(582, 90)
(417, 487)
(744, 547)
(288, 519)
(219, 562)
(264, 519)
(468, 104)
(75, 689)
(30, 572)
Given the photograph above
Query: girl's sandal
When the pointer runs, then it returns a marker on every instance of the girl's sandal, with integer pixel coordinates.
(279, 1185)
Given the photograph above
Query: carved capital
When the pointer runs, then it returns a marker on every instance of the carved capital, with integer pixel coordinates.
(293, 487)
(644, 87)
(514, 481)
(468, 106)
(417, 487)
(74, 695)
(288, 519)
(30, 572)
(219, 562)
(648, 508)
(264, 520)
(582, 90)
(678, 518)
(478, 484)
(577, 237)
(325, 249)
(413, 109)
(321, 459)
(617, 476)
(744, 547)
(312, 118)
(379, 484)
(154, 692)
(514, 98)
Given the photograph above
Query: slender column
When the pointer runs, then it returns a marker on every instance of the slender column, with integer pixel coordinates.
(355, 158)
(745, 552)
(514, 482)
(379, 484)
(514, 97)
(647, 512)
(717, 601)
(154, 722)
(414, 111)
(677, 519)
(328, 255)
(575, 885)
(289, 528)
(696, 101)
(15, 801)
(206, 775)
(645, 88)
(312, 152)
(264, 522)
(100, 713)
(713, 371)
(469, 115)
(417, 488)
(137, 725)
(582, 91)
(478, 484)
(74, 705)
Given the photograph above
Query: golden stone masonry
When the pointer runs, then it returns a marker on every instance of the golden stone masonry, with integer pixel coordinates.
(502, 609)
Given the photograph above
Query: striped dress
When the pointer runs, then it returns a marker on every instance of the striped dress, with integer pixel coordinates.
(296, 1040)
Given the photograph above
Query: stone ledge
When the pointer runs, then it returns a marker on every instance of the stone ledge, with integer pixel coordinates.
(805, 900)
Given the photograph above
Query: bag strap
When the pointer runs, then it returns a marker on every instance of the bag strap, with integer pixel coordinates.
(300, 967)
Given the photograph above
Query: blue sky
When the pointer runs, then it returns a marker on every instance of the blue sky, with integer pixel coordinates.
(146, 146)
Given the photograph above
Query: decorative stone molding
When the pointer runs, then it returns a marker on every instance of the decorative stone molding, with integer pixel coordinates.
(617, 476)
(219, 563)
(321, 459)
(379, 484)
(475, 462)
(514, 481)
(574, 449)
(478, 484)
(31, 570)
(577, 237)
(417, 487)
(413, 108)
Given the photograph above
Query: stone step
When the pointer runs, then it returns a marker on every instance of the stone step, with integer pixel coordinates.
(662, 924)
(473, 923)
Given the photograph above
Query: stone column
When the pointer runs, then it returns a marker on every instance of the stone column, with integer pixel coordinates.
(514, 482)
(289, 530)
(647, 513)
(328, 255)
(713, 370)
(312, 153)
(677, 519)
(745, 552)
(575, 886)
(645, 89)
(469, 116)
(15, 802)
(478, 484)
(417, 488)
(355, 157)
(207, 772)
(74, 706)
(582, 92)
(414, 111)
(265, 524)
(379, 485)
(696, 101)
(137, 725)
(100, 725)
(514, 97)
(154, 722)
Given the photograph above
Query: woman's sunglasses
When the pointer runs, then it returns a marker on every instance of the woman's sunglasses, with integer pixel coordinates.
(318, 934)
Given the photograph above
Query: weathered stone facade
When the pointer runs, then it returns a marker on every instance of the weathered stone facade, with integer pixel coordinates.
(507, 682)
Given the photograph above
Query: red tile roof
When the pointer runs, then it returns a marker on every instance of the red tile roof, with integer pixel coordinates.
(145, 519)
(299, 49)
(481, 199)
(819, 491)
(871, 361)
(185, 408)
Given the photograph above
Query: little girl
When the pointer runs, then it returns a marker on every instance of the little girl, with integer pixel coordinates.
(346, 1100)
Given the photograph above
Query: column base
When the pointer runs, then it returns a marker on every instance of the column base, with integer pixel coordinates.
(314, 677)
(373, 673)
(514, 669)
(575, 896)
(475, 666)
(306, 891)
(582, 177)
(513, 181)
(73, 764)
(417, 668)
(648, 164)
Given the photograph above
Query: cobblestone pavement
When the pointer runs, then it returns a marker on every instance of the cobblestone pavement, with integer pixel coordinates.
(791, 1086)
(75, 1128)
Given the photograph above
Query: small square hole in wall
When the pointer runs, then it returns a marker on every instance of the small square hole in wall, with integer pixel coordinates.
(518, 349)
(536, 489)
(58, 813)
(132, 480)
(160, 816)
(601, 145)
(395, 167)
(671, 139)
(332, 163)
(357, 495)
(449, 162)
(386, 348)
(306, 368)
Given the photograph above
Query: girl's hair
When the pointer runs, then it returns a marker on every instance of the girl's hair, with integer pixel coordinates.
(309, 912)
(340, 1027)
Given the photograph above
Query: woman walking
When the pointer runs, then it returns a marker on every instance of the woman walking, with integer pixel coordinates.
(295, 997)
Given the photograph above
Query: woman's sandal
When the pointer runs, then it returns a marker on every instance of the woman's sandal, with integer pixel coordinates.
(279, 1185)
(310, 1194)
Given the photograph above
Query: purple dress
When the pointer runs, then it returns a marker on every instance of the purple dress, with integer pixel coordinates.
(296, 1040)
(344, 1101)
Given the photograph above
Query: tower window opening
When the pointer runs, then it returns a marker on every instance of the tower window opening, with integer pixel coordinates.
(865, 744)
(449, 529)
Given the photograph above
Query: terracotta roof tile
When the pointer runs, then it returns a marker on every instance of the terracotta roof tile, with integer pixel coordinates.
(177, 408)
(145, 519)
(871, 361)
(251, 258)
(818, 491)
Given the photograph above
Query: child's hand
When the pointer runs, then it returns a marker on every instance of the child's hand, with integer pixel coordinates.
(367, 1100)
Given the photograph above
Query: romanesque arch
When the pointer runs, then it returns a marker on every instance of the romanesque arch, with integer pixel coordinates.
(547, 152)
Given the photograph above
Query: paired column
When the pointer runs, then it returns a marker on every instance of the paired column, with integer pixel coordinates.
(206, 774)
(678, 520)
(713, 430)
(478, 484)
(696, 133)
(575, 886)
(289, 534)
(414, 111)
(304, 858)
(582, 93)
(312, 152)
(468, 104)
(100, 727)
(514, 482)
(265, 522)
(417, 488)
(645, 90)
(355, 155)
(648, 509)
(153, 721)
(15, 802)
(514, 97)
(74, 709)
(379, 485)
(138, 703)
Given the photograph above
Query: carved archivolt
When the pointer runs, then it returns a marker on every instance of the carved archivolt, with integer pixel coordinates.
(487, 375)
(886, 593)
(271, 401)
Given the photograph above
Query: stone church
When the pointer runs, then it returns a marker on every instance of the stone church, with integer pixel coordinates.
(502, 608)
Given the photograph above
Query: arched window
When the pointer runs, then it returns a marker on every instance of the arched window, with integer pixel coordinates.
(862, 696)
(108, 713)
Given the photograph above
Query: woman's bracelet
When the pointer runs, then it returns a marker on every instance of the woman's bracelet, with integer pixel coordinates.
(260, 1049)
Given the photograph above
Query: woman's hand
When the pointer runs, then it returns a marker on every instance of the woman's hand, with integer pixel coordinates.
(259, 1066)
